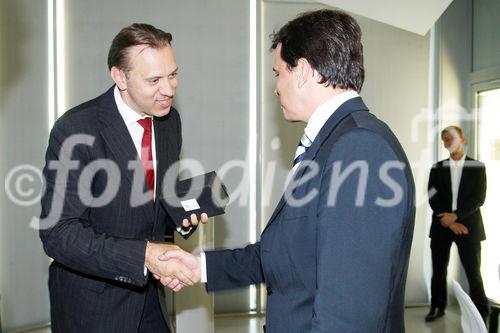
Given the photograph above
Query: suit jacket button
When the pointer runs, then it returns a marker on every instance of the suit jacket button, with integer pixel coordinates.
(269, 291)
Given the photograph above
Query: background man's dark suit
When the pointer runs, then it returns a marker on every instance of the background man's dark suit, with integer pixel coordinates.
(97, 281)
(471, 196)
(333, 268)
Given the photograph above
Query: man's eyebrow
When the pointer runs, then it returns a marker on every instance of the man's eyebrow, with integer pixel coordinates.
(275, 70)
(153, 77)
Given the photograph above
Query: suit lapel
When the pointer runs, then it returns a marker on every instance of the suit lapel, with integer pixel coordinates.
(447, 180)
(167, 141)
(463, 178)
(163, 157)
(445, 174)
(117, 137)
(165, 154)
(347, 108)
(161, 152)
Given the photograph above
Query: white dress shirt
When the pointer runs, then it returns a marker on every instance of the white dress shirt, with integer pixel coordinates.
(456, 168)
(325, 111)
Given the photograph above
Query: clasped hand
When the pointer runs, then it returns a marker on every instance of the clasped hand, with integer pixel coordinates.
(172, 266)
(449, 220)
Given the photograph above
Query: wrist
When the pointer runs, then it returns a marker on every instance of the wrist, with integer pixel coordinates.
(148, 254)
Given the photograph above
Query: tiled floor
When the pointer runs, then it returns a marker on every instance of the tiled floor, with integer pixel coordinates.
(414, 322)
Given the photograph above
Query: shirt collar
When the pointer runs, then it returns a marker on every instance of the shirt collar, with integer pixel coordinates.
(324, 111)
(128, 115)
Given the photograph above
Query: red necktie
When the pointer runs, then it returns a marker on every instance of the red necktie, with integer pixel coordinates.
(147, 152)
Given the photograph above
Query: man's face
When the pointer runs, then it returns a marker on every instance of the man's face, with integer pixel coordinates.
(452, 141)
(287, 88)
(148, 87)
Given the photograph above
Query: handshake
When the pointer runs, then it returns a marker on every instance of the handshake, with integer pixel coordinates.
(174, 267)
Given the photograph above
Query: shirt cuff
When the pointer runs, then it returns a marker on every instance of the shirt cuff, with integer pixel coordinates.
(184, 231)
(203, 278)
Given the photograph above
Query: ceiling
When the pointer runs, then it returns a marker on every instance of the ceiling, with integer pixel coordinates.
(416, 16)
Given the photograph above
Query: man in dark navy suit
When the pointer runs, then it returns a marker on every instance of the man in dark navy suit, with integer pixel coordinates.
(101, 220)
(334, 254)
(457, 189)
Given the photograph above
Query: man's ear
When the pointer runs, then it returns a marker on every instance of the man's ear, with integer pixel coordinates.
(119, 77)
(304, 71)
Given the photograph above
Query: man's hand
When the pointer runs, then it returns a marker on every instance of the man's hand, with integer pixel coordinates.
(459, 229)
(194, 220)
(187, 259)
(447, 219)
(178, 273)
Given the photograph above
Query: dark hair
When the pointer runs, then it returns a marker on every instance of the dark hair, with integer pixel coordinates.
(451, 129)
(330, 40)
(135, 34)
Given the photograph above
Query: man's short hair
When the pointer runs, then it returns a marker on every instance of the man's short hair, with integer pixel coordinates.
(452, 130)
(135, 34)
(330, 40)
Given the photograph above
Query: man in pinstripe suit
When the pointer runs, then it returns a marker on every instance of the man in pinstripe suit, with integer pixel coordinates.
(101, 220)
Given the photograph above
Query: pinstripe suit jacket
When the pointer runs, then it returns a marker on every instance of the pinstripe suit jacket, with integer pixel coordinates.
(97, 281)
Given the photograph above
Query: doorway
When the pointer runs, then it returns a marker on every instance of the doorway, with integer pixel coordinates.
(488, 151)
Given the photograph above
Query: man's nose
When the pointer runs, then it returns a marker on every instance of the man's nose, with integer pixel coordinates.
(167, 87)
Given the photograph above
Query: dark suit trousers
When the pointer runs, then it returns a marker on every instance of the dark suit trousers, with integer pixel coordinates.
(152, 320)
(470, 256)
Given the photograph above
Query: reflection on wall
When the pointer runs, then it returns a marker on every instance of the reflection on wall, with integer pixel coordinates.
(23, 136)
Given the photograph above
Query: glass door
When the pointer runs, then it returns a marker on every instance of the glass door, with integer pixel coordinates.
(488, 150)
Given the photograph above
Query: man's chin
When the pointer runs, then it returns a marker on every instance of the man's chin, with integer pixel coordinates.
(285, 115)
(290, 118)
(162, 112)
